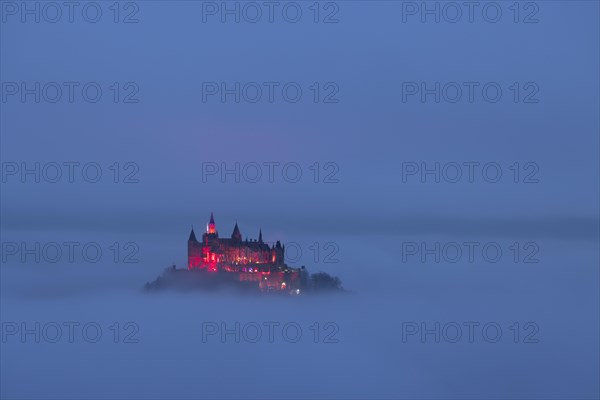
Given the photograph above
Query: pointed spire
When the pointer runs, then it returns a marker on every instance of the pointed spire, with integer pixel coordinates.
(260, 236)
(236, 235)
(192, 236)
(211, 228)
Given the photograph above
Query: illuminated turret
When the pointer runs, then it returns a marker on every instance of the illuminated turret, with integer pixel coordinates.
(278, 253)
(194, 251)
(211, 229)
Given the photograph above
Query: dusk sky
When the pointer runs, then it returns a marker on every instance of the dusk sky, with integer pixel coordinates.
(362, 133)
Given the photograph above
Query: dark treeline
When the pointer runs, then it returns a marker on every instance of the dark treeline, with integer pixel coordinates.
(185, 280)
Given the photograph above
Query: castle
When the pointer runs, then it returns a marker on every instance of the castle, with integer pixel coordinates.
(251, 260)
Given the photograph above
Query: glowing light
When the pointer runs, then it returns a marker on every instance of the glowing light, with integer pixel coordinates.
(218, 255)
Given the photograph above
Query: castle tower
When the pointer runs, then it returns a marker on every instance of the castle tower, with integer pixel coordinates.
(260, 236)
(278, 252)
(194, 251)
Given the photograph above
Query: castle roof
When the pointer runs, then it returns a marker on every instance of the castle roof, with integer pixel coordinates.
(192, 236)
(212, 218)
